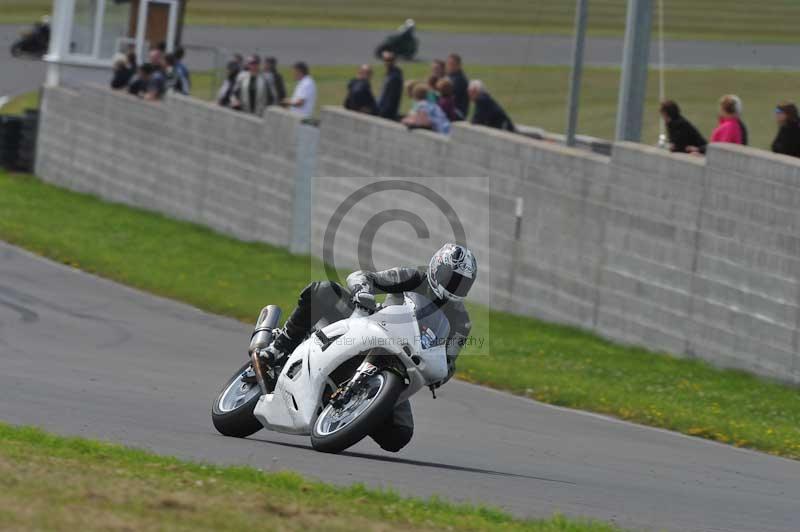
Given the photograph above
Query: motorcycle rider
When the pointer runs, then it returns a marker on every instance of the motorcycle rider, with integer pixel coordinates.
(450, 274)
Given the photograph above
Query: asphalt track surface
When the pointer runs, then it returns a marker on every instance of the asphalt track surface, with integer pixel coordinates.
(82, 355)
(350, 47)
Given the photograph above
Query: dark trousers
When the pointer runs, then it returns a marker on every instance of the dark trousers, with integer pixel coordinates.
(332, 302)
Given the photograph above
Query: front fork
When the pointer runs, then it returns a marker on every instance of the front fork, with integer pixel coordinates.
(262, 337)
(373, 363)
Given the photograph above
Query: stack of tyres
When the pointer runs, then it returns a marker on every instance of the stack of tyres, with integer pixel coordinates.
(26, 152)
(10, 133)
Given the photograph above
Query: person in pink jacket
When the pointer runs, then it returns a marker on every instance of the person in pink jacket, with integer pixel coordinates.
(729, 129)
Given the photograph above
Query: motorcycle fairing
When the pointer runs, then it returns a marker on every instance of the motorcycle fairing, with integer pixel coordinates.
(296, 401)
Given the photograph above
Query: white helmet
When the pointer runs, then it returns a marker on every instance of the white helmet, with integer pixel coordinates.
(452, 272)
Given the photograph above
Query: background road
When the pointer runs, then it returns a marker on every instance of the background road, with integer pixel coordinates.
(80, 355)
(350, 47)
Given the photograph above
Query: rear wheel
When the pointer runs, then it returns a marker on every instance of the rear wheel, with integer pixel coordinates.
(16, 49)
(232, 412)
(337, 429)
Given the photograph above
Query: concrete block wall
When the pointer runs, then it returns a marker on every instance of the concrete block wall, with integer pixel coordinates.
(696, 257)
(182, 157)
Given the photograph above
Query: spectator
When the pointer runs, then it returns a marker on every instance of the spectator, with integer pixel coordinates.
(787, 141)
(131, 55)
(156, 57)
(433, 94)
(304, 97)
(239, 60)
(683, 136)
(487, 111)
(460, 83)
(389, 102)
(359, 92)
(225, 95)
(738, 103)
(158, 79)
(141, 83)
(173, 76)
(447, 102)
(250, 92)
(728, 130)
(437, 69)
(183, 71)
(274, 81)
(123, 72)
(425, 114)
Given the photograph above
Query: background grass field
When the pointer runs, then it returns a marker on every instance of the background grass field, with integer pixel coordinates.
(739, 20)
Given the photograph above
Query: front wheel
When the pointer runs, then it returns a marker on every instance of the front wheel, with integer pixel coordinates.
(232, 412)
(336, 430)
(16, 49)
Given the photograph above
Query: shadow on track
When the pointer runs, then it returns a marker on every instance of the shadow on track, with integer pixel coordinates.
(418, 463)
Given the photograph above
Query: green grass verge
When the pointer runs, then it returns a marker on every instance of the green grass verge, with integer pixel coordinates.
(50, 482)
(537, 95)
(18, 104)
(735, 20)
(551, 363)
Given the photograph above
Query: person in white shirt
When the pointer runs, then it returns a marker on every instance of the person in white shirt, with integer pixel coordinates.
(304, 97)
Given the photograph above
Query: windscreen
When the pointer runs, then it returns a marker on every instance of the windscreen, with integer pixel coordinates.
(434, 327)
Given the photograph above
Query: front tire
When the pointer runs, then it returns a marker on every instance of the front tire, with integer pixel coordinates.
(334, 431)
(232, 412)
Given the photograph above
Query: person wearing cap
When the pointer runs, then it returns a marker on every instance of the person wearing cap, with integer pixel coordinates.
(250, 92)
(787, 141)
(392, 93)
(304, 97)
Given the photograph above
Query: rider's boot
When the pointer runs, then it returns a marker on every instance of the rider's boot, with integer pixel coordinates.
(279, 349)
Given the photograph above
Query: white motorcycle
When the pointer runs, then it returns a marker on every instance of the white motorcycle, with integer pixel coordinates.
(345, 379)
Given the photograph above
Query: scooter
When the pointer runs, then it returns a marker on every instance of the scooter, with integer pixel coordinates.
(34, 42)
(344, 380)
(403, 43)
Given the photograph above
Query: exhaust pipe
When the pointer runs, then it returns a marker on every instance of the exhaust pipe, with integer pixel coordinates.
(262, 337)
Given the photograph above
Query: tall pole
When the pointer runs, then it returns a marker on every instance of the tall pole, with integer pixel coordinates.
(581, 16)
(633, 85)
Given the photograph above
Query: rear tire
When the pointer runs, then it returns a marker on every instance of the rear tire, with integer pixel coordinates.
(16, 50)
(367, 421)
(239, 422)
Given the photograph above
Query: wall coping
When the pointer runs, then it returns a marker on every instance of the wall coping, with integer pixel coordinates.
(522, 140)
(721, 149)
(620, 147)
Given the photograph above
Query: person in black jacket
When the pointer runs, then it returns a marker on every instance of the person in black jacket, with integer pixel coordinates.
(683, 136)
(460, 83)
(787, 141)
(389, 103)
(123, 72)
(487, 111)
(359, 93)
(274, 80)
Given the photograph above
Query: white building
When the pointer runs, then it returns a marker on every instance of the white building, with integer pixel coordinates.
(85, 34)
